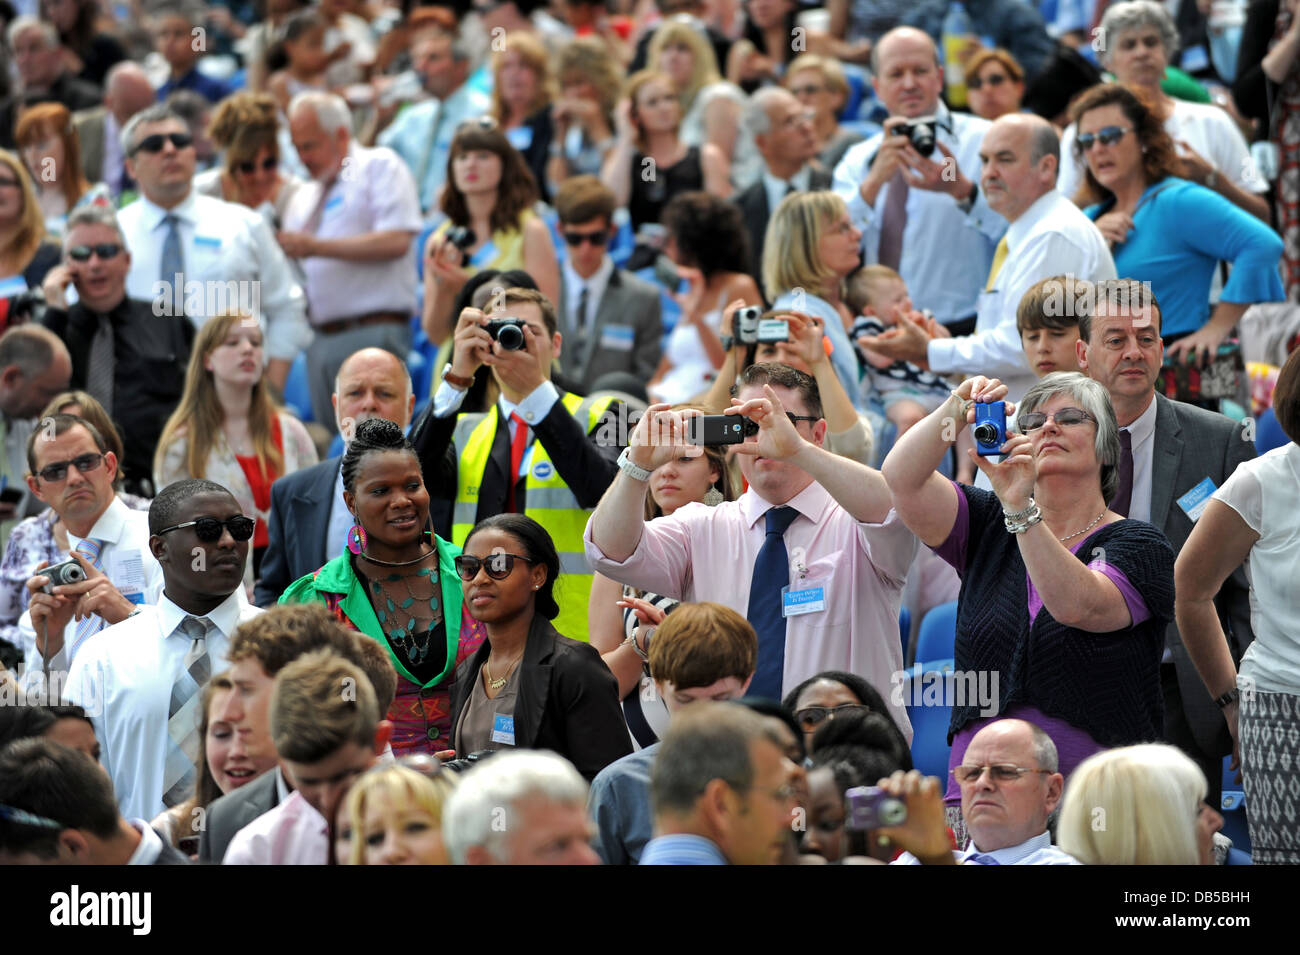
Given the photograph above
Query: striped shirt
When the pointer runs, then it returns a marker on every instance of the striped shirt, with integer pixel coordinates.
(682, 849)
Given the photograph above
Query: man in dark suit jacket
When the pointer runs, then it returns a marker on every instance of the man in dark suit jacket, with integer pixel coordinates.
(149, 354)
(610, 319)
(1175, 449)
(308, 522)
(35, 50)
(236, 809)
(783, 131)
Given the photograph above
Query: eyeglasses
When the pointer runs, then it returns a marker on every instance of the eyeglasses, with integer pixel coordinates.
(105, 250)
(806, 90)
(997, 79)
(796, 418)
(208, 529)
(1002, 772)
(58, 471)
(498, 566)
(1066, 417)
(810, 717)
(1107, 136)
(576, 239)
(154, 143)
(267, 164)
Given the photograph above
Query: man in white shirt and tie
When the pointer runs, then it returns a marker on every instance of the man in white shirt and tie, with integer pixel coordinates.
(922, 216)
(201, 256)
(142, 680)
(1048, 235)
(72, 471)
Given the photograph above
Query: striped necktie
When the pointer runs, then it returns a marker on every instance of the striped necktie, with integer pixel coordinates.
(183, 713)
(93, 551)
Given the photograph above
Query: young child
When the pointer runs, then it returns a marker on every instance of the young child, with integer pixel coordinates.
(299, 61)
(180, 40)
(878, 297)
(1048, 325)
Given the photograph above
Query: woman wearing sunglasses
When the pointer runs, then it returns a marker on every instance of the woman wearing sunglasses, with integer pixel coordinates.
(227, 427)
(995, 84)
(1062, 600)
(52, 150)
(527, 686)
(1166, 231)
(246, 128)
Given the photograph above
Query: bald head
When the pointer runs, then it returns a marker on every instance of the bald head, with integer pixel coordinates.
(127, 91)
(372, 383)
(1019, 158)
(1000, 813)
(908, 77)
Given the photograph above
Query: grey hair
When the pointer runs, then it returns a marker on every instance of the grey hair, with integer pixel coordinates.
(330, 109)
(755, 119)
(1043, 141)
(1120, 18)
(158, 113)
(1045, 754)
(483, 809)
(94, 215)
(1094, 399)
(25, 23)
(710, 741)
(31, 347)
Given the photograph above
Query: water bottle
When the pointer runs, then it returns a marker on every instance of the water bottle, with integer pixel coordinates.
(957, 33)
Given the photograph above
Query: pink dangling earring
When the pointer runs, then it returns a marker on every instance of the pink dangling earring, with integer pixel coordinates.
(356, 539)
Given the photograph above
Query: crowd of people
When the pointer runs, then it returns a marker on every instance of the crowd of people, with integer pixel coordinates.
(533, 433)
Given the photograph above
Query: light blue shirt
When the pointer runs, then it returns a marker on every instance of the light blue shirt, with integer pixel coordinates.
(1036, 851)
(421, 134)
(682, 849)
(843, 358)
(946, 252)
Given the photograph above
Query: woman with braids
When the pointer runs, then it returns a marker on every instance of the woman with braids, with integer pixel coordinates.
(528, 686)
(397, 583)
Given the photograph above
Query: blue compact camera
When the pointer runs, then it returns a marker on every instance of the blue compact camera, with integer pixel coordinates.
(990, 427)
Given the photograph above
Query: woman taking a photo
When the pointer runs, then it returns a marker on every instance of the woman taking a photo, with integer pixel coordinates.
(1061, 598)
(396, 583)
(488, 200)
(227, 427)
(527, 686)
(1167, 231)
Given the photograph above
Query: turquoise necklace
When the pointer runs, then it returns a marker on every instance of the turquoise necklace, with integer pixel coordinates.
(390, 613)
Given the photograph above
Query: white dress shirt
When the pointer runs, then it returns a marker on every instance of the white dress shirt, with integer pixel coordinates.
(221, 243)
(1036, 851)
(374, 192)
(127, 562)
(1143, 442)
(150, 846)
(946, 252)
(778, 189)
(124, 679)
(1051, 237)
(573, 286)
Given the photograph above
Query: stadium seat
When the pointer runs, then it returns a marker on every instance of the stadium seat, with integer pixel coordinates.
(1237, 857)
(938, 633)
(1268, 433)
(930, 747)
(297, 393)
(1232, 806)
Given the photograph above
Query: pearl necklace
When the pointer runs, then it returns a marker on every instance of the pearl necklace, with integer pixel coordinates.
(1084, 531)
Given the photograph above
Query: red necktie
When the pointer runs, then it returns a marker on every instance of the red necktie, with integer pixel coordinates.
(517, 447)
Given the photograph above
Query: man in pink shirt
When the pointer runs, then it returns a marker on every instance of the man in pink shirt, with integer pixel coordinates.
(326, 728)
(812, 553)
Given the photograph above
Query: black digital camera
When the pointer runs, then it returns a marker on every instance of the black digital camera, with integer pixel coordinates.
(463, 238)
(507, 332)
(921, 131)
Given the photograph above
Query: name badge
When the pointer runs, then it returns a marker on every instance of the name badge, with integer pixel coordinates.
(207, 241)
(14, 285)
(484, 255)
(1194, 501)
(618, 337)
(126, 571)
(333, 205)
(503, 730)
(521, 137)
(795, 603)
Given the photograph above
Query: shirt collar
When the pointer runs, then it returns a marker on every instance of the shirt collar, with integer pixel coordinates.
(1041, 207)
(775, 183)
(1011, 854)
(225, 616)
(150, 847)
(811, 502)
(282, 790)
(155, 214)
(1144, 425)
(109, 527)
(574, 283)
(697, 843)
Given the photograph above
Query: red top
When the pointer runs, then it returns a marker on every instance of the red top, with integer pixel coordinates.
(260, 482)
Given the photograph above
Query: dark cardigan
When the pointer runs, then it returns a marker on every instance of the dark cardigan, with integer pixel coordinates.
(1107, 684)
(567, 700)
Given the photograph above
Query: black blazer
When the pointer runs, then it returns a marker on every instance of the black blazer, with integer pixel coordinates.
(754, 210)
(232, 812)
(567, 700)
(296, 528)
(171, 856)
(587, 463)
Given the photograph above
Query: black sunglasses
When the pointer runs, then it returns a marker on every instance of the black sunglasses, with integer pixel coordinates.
(1107, 136)
(813, 716)
(84, 463)
(498, 566)
(267, 164)
(997, 79)
(105, 250)
(796, 418)
(154, 143)
(576, 239)
(208, 529)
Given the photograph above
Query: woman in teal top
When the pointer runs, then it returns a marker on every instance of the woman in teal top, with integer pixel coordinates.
(397, 583)
(1166, 231)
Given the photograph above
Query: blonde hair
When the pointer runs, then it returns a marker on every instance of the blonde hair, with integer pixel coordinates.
(632, 89)
(705, 69)
(534, 54)
(402, 786)
(1136, 805)
(31, 227)
(858, 285)
(199, 416)
(790, 257)
(589, 58)
(832, 73)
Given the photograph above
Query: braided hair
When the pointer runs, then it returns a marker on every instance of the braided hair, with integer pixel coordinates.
(372, 435)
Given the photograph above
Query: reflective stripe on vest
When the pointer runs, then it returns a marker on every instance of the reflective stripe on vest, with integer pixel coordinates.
(547, 500)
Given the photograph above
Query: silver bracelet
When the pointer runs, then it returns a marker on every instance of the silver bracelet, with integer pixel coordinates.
(1031, 518)
(1017, 516)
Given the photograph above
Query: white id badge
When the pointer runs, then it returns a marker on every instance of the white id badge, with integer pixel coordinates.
(798, 601)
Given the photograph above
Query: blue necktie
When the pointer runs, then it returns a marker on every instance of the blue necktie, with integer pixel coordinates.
(173, 262)
(771, 573)
(979, 858)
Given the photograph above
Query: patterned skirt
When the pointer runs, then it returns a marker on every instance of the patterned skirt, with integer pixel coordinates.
(1270, 769)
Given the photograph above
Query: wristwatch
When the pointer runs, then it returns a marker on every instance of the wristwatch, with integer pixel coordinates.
(967, 204)
(456, 381)
(1232, 696)
(631, 641)
(631, 468)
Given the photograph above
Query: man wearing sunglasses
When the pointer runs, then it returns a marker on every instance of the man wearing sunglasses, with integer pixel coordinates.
(72, 471)
(198, 256)
(142, 679)
(129, 359)
(610, 318)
